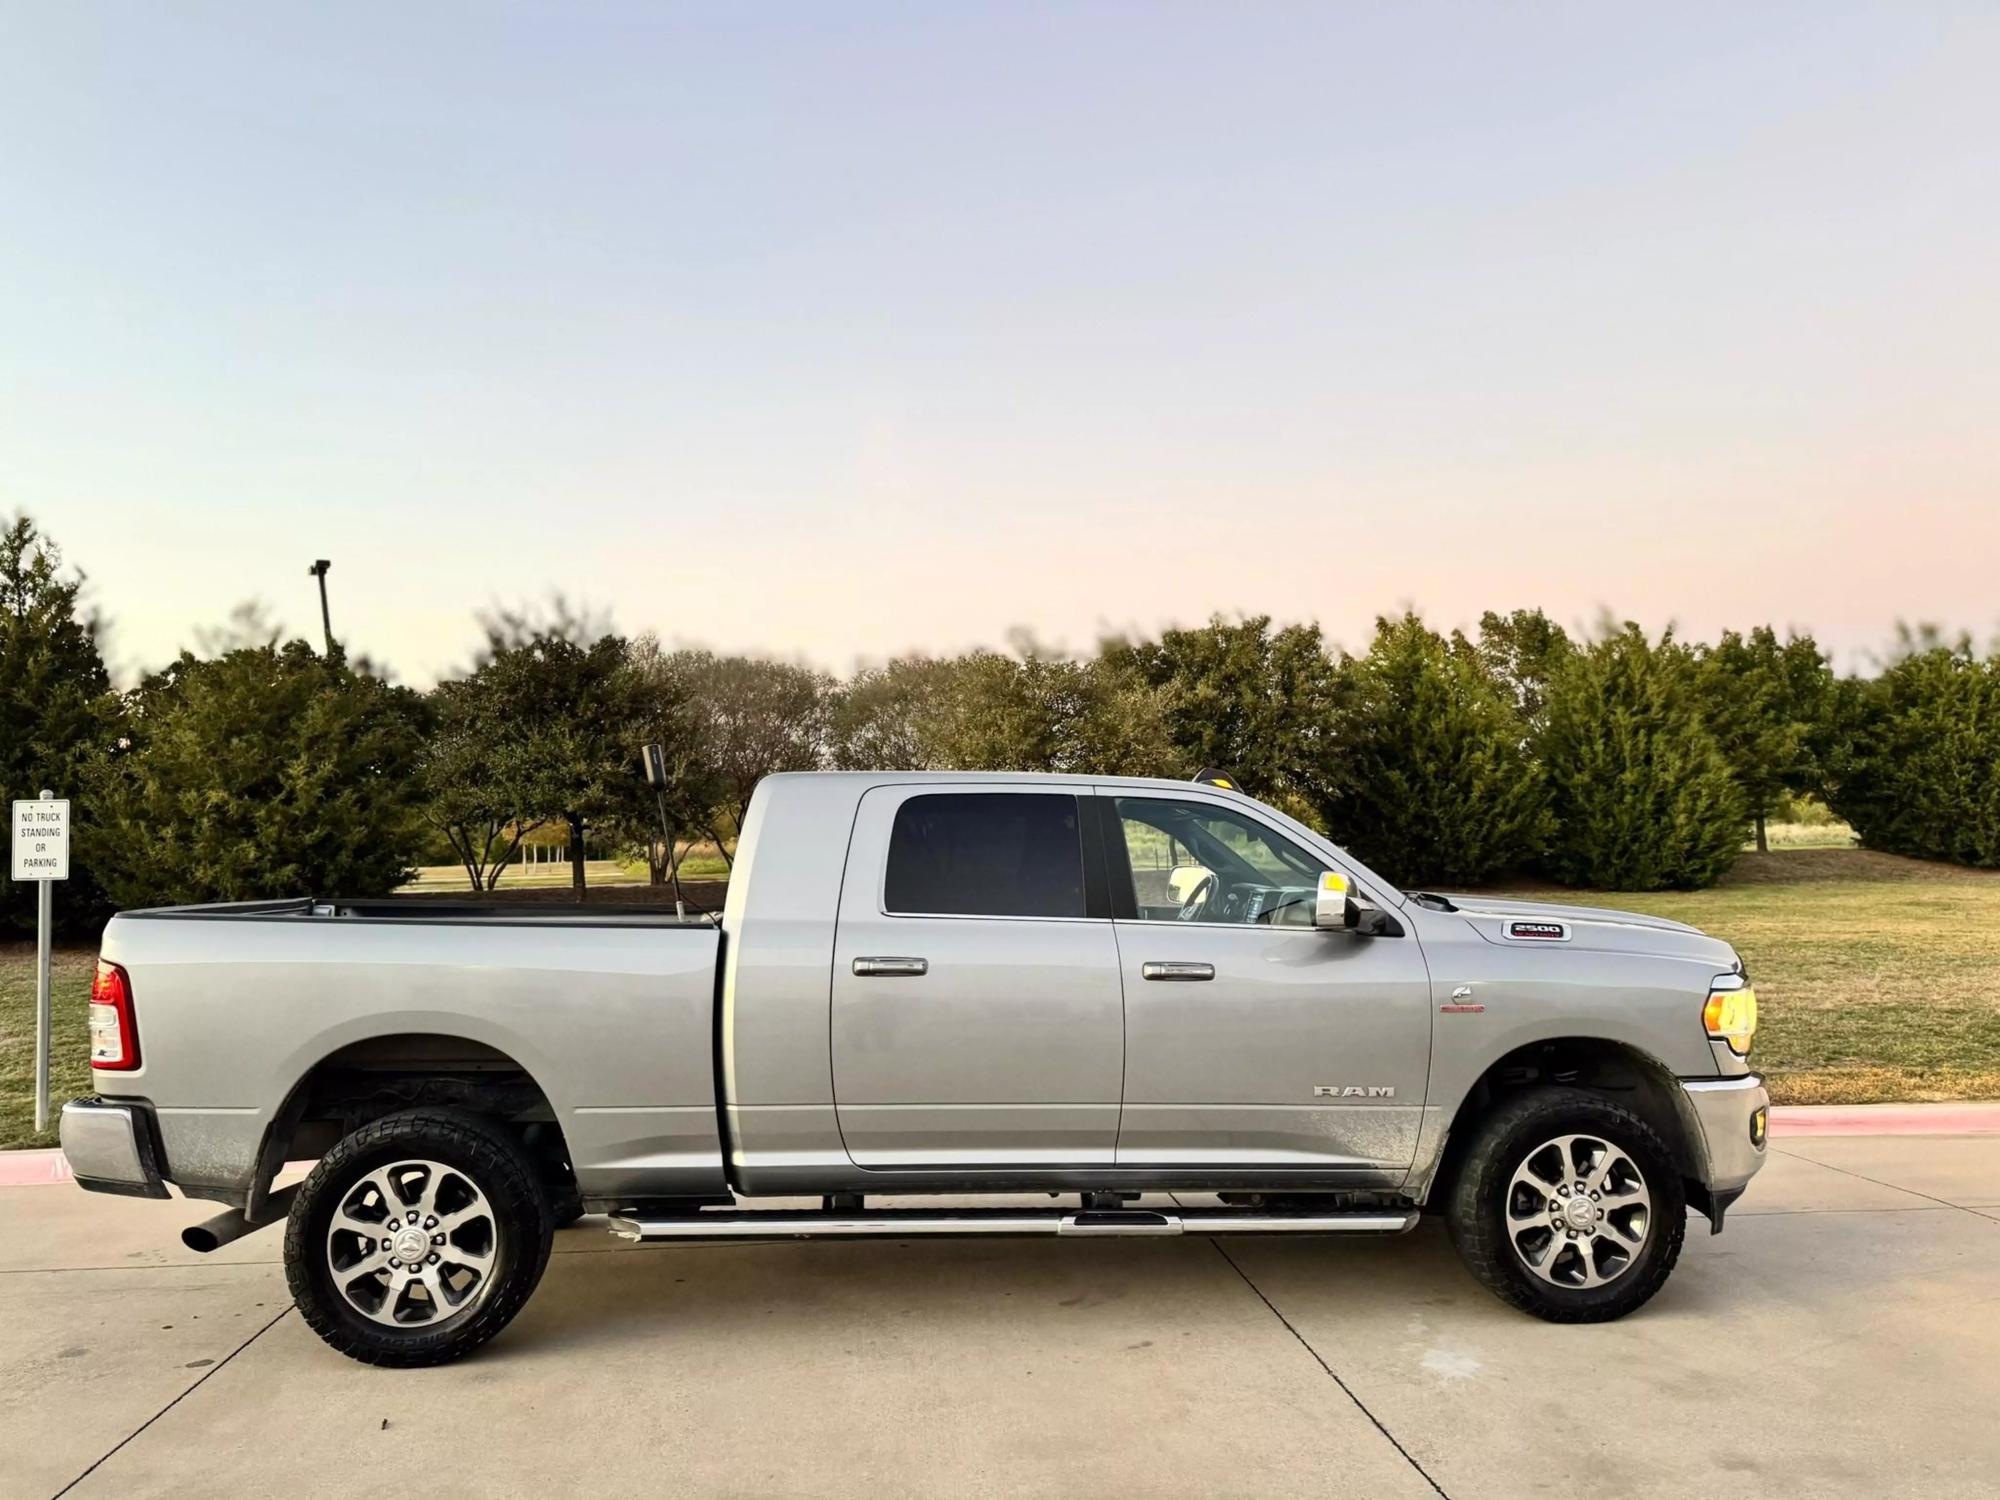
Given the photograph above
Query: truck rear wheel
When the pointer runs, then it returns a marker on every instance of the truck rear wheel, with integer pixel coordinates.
(1568, 1206)
(417, 1238)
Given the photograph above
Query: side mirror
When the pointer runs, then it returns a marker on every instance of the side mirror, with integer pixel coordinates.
(1336, 907)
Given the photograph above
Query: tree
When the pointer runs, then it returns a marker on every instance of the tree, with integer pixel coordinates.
(885, 718)
(568, 719)
(1522, 652)
(1916, 768)
(752, 719)
(1767, 704)
(1641, 794)
(1430, 779)
(477, 777)
(1242, 696)
(1040, 711)
(1034, 710)
(268, 771)
(1110, 723)
(57, 711)
(670, 718)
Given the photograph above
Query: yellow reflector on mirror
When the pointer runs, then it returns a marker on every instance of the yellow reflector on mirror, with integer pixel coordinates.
(1731, 1016)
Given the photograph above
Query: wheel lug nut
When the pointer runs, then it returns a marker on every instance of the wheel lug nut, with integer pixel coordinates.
(437, 1239)
(434, 1259)
(1593, 1197)
(432, 1223)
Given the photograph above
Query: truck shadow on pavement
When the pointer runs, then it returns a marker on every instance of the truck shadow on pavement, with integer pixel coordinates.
(596, 1298)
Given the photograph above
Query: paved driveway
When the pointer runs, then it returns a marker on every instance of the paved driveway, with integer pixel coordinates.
(1843, 1338)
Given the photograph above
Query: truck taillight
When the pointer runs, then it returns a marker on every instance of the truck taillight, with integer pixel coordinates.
(114, 1035)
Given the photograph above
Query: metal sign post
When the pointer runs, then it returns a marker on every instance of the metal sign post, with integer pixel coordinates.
(41, 854)
(654, 759)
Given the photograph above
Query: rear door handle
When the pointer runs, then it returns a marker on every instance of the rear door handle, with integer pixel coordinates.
(1175, 970)
(892, 968)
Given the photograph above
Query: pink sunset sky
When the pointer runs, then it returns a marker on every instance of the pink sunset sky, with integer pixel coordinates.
(839, 331)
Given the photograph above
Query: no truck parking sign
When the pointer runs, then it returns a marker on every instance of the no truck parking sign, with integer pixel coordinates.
(41, 839)
(41, 854)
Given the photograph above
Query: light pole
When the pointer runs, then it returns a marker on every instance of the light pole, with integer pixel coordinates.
(318, 570)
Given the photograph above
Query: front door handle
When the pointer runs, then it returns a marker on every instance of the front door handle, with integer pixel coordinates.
(1176, 970)
(892, 968)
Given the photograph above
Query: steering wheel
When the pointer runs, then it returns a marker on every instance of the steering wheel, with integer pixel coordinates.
(1197, 899)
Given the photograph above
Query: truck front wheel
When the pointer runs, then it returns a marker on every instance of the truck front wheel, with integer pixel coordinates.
(1568, 1206)
(417, 1238)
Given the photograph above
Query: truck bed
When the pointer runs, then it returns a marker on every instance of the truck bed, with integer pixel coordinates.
(608, 1011)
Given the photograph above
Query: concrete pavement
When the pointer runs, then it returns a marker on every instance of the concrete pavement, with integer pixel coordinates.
(1842, 1338)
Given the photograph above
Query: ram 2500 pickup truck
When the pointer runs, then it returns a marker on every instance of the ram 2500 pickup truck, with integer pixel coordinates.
(1164, 1005)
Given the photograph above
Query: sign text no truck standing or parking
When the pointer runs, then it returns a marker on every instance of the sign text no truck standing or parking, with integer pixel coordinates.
(41, 840)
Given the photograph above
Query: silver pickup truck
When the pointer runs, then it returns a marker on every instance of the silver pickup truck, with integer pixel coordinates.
(1163, 1005)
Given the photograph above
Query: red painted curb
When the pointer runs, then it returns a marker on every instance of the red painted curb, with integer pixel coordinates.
(33, 1168)
(1885, 1119)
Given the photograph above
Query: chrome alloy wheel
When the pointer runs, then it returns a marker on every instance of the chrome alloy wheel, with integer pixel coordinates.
(1578, 1211)
(412, 1244)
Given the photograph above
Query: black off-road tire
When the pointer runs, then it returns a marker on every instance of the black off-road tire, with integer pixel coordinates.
(1477, 1207)
(523, 1220)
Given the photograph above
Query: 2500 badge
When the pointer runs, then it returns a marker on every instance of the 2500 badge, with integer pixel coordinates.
(1539, 932)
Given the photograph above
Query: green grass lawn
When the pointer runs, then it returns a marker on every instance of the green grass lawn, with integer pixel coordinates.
(703, 864)
(69, 1065)
(432, 878)
(1878, 979)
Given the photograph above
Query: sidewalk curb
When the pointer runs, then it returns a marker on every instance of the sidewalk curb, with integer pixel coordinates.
(33, 1168)
(1885, 1119)
(47, 1168)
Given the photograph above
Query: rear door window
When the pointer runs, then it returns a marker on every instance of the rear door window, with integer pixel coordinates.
(986, 854)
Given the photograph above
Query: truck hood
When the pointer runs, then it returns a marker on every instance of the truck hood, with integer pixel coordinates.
(1590, 929)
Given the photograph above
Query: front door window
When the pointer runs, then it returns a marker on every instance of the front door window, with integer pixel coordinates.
(1198, 862)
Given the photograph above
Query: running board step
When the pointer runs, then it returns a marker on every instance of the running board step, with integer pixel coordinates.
(746, 1224)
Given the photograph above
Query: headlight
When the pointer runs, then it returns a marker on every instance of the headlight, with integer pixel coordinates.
(1730, 1014)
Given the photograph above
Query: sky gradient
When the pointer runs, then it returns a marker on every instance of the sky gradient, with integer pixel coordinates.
(838, 331)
